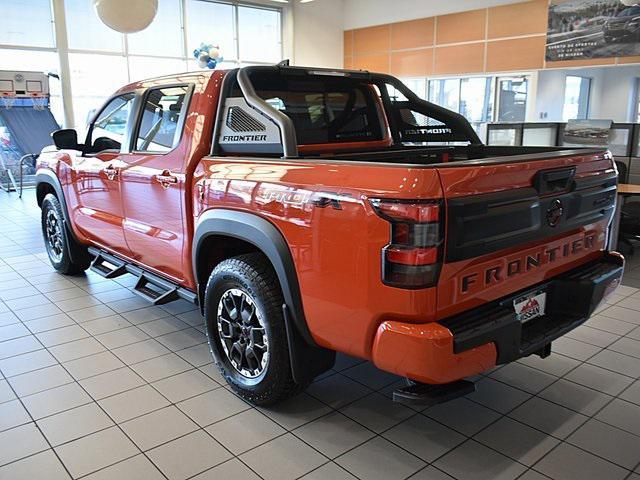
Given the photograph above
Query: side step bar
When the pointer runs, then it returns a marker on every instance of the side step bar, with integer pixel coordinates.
(428, 395)
(100, 265)
(151, 287)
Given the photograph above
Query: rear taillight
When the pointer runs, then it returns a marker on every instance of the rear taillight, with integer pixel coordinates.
(413, 255)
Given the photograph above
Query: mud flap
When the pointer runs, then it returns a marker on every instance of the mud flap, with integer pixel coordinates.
(307, 362)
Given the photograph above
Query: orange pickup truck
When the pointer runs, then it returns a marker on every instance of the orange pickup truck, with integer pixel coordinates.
(312, 211)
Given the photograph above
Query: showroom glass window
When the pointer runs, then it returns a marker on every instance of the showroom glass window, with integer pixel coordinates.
(85, 31)
(576, 98)
(28, 23)
(164, 36)
(159, 127)
(90, 86)
(259, 34)
(201, 15)
(247, 35)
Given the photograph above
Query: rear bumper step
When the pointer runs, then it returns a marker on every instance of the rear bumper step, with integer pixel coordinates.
(422, 394)
(153, 288)
(571, 299)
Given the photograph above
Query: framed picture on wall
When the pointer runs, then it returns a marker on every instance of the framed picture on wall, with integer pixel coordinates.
(582, 29)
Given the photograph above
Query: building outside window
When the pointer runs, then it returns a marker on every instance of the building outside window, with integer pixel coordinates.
(511, 99)
(576, 98)
(34, 29)
(471, 97)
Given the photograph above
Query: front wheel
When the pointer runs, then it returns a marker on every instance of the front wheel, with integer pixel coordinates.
(65, 254)
(246, 330)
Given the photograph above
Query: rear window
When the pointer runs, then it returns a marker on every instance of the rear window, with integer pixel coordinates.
(324, 110)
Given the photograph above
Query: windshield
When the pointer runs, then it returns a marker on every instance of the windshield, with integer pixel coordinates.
(629, 12)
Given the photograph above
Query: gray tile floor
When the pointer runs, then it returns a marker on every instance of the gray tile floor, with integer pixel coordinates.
(97, 384)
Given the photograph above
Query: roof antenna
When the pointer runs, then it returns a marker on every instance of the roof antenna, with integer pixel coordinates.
(284, 63)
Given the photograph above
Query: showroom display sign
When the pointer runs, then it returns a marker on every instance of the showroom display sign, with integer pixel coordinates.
(587, 132)
(582, 29)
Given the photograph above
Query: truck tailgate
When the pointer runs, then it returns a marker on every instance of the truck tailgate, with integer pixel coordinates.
(515, 222)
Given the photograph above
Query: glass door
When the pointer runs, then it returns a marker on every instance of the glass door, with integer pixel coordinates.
(511, 99)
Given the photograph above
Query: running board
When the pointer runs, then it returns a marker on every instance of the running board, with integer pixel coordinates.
(100, 265)
(428, 395)
(155, 293)
(152, 288)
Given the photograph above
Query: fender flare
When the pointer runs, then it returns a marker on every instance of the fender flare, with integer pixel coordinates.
(49, 177)
(308, 360)
(267, 238)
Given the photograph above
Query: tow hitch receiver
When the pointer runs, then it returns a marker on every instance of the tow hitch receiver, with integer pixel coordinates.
(428, 395)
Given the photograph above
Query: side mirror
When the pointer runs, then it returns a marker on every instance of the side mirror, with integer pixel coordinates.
(65, 139)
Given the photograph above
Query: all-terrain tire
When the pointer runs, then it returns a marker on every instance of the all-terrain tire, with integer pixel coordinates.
(65, 254)
(251, 280)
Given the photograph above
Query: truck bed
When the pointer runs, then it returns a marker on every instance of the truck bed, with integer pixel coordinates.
(458, 155)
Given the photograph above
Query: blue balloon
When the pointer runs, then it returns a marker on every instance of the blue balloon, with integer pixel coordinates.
(204, 48)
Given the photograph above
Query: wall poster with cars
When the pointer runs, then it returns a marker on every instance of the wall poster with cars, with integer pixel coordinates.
(582, 29)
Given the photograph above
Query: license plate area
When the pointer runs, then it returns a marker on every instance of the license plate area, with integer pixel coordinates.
(530, 305)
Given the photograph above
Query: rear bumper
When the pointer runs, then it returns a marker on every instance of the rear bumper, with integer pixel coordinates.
(470, 343)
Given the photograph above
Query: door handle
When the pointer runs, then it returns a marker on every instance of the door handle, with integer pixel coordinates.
(111, 172)
(166, 178)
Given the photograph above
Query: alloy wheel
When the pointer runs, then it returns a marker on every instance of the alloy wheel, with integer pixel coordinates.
(55, 240)
(242, 333)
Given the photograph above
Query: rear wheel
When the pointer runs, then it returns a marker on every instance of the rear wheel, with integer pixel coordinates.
(246, 330)
(65, 254)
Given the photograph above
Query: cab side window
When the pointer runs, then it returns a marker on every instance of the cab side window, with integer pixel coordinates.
(161, 126)
(110, 127)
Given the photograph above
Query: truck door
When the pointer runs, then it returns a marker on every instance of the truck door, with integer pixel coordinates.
(98, 210)
(153, 182)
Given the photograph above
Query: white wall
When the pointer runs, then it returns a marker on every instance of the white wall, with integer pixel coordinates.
(364, 13)
(550, 96)
(617, 93)
(613, 92)
(318, 39)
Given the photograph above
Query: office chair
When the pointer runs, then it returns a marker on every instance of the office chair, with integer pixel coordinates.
(629, 231)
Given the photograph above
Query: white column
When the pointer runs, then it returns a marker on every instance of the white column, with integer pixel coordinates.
(532, 97)
(62, 48)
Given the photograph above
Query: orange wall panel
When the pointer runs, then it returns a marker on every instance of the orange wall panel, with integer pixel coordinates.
(374, 62)
(516, 54)
(461, 27)
(348, 42)
(371, 39)
(513, 37)
(518, 19)
(348, 62)
(413, 34)
(457, 59)
(412, 63)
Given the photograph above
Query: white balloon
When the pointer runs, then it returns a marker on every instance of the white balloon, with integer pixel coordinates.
(214, 52)
(126, 16)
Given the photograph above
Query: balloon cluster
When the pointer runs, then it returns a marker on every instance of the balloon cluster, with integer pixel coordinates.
(208, 55)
